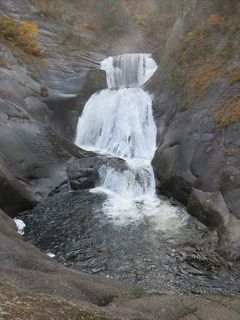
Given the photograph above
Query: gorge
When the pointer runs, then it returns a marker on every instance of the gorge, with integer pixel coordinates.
(162, 248)
(119, 159)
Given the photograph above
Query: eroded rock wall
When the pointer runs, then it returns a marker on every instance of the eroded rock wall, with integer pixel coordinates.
(196, 105)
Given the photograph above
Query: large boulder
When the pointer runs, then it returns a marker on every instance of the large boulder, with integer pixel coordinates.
(212, 211)
(13, 196)
(83, 173)
(209, 208)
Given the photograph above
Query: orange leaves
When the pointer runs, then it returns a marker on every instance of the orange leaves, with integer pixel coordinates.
(23, 35)
(201, 38)
(90, 27)
(215, 20)
(28, 30)
(229, 111)
(33, 49)
(27, 34)
(201, 81)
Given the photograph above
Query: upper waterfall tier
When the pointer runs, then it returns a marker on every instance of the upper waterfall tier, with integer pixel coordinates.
(128, 70)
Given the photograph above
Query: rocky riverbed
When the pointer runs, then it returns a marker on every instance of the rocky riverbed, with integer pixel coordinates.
(166, 255)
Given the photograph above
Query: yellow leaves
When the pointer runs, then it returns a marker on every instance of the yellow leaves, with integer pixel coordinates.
(23, 35)
(28, 30)
(90, 27)
(27, 35)
(215, 20)
(229, 111)
(190, 36)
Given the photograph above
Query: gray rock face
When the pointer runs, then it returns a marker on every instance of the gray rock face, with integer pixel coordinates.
(38, 110)
(22, 6)
(33, 158)
(193, 151)
(229, 240)
(35, 102)
(177, 31)
(14, 197)
(209, 208)
(212, 211)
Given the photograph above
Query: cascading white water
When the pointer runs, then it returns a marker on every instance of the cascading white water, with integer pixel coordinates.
(128, 70)
(119, 121)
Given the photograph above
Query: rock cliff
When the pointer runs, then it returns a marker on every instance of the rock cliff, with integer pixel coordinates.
(197, 107)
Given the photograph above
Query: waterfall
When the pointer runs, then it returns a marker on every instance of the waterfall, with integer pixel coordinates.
(119, 121)
(128, 70)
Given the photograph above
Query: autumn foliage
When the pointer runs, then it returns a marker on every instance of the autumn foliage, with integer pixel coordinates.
(215, 20)
(229, 111)
(23, 35)
(90, 27)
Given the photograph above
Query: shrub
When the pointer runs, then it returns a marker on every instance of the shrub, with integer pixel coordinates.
(8, 28)
(27, 35)
(215, 20)
(90, 27)
(53, 9)
(229, 112)
(203, 77)
(23, 35)
(3, 63)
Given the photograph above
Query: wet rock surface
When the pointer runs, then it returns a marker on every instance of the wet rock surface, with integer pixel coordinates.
(196, 150)
(35, 95)
(41, 99)
(198, 153)
(41, 287)
(159, 255)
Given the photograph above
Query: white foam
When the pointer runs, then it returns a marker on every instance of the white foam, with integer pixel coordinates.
(120, 122)
(20, 226)
(128, 70)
